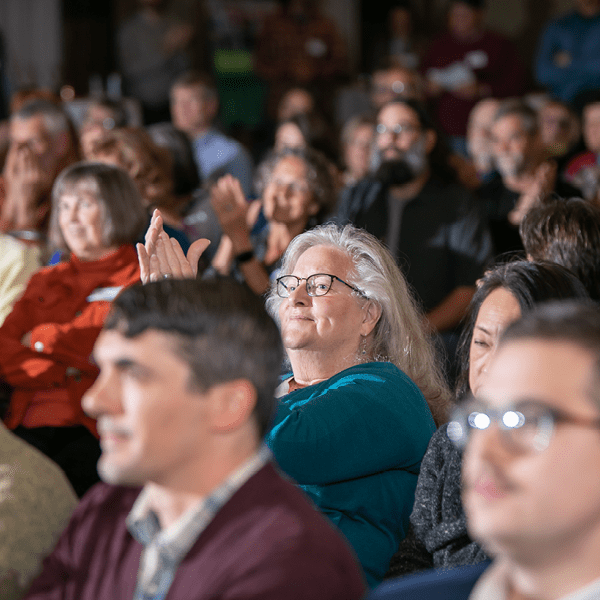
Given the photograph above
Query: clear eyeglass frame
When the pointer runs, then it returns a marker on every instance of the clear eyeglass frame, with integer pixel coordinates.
(526, 426)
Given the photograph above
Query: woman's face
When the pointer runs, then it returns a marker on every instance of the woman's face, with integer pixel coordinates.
(287, 198)
(497, 311)
(357, 152)
(289, 135)
(332, 325)
(81, 221)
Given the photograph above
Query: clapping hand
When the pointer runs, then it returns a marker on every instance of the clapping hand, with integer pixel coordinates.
(162, 257)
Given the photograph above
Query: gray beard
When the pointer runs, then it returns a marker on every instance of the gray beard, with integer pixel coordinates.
(403, 168)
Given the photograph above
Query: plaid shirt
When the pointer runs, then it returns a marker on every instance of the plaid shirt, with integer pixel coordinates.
(164, 549)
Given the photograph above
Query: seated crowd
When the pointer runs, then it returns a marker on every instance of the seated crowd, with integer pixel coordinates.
(356, 362)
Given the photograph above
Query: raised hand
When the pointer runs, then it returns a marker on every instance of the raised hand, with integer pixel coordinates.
(161, 257)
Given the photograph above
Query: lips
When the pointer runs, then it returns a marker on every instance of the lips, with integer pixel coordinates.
(489, 488)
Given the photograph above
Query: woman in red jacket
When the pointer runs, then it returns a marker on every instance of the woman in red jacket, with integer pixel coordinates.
(46, 341)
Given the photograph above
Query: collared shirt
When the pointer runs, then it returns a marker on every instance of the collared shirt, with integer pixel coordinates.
(164, 549)
(215, 151)
(493, 585)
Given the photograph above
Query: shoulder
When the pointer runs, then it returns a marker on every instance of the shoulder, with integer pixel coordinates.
(585, 159)
(450, 584)
(272, 528)
(371, 378)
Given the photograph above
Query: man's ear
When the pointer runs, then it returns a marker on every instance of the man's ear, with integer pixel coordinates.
(232, 404)
(430, 140)
(372, 314)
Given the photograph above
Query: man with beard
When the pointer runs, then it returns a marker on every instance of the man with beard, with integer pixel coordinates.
(429, 222)
(523, 176)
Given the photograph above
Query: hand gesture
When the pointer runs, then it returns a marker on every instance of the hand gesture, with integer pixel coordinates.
(541, 186)
(162, 257)
(229, 203)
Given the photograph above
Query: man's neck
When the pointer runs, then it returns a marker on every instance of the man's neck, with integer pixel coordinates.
(556, 572)
(199, 132)
(411, 189)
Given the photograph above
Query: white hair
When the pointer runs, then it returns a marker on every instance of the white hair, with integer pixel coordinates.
(399, 336)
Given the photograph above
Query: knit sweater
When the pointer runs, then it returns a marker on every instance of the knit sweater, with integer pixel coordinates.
(354, 443)
(64, 309)
(265, 543)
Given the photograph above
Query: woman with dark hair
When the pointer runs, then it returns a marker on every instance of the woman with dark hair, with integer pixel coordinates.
(437, 535)
(46, 341)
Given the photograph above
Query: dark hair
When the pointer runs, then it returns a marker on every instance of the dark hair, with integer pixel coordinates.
(572, 322)
(222, 329)
(440, 154)
(116, 108)
(318, 175)
(566, 232)
(123, 212)
(186, 178)
(530, 283)
(518, 108)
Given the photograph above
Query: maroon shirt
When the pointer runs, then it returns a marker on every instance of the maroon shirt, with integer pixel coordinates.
(266, 543)
(495, 63)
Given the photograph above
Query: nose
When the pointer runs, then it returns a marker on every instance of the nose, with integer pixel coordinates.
(102, 398)
(299, 297)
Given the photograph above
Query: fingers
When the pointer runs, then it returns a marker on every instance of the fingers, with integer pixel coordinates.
(194, 253)
(144, 261)
(154, 230)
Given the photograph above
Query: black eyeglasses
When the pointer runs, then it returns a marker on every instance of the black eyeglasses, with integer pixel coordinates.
(526, 426)
(318, 284)
(397, 129)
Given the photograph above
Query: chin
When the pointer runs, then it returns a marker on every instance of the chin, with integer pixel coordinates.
(115, 474)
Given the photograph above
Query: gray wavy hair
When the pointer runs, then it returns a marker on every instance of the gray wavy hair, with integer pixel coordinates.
(399, 336)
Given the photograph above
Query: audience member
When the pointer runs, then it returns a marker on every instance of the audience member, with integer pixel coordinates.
(479, 144)
(150, 167)
(194, 108)
(583, 170)
(399, 42)
(35, 505)
(297, 193)
(567, 232)
(299, 46)
(213, 519)
(559, 131)
(42, 144)
(47, 339)
(296, 101)
(357, 140)
(466, 64)
(18, 262)
(429, 222)
(523, 176)
(438, 535)
(101, 115)
(569, 48)
(345, 350)
(151, 51)
(533, 421)
(395, 83)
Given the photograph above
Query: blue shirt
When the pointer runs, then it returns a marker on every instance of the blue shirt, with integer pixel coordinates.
(217, 152)
(579, 37)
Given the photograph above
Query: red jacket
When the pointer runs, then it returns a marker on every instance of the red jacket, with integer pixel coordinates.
(64, 319)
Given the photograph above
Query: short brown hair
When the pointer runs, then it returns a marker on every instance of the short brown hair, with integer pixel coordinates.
(567, 232)
(123, 212)
(192, 79)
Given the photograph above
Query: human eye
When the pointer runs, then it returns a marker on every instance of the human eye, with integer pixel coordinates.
(481, 343)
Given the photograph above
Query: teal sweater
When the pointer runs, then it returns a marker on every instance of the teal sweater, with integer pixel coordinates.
(354, 444)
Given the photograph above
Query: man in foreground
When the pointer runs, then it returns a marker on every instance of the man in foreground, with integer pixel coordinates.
(530, 472)
(185, 393)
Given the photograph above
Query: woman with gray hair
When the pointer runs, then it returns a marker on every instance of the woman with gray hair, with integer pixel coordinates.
(353, 421)
(355, 412)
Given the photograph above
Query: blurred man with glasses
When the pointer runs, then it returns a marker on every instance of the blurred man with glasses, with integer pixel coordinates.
(413, 202)
(530, 469)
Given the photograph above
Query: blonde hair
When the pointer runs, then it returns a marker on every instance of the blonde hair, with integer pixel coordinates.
(399, 336)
